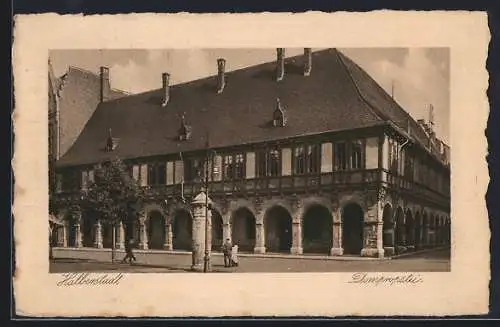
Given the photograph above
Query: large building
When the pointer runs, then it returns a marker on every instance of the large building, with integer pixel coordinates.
(307, 154)
(73, 98)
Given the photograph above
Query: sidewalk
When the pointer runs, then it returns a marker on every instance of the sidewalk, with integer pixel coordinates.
(83, 253)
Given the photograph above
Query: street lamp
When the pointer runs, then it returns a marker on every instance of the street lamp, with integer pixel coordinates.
(208, 155)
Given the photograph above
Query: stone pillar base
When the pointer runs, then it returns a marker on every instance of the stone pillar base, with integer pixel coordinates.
(389, 251)
(98, 245)
(336, 251)
(168, 247)
(296, 250)
(143, 246)
(372, 252)
(119, 246)
(259, 249)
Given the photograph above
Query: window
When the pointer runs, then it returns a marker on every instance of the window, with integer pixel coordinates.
(71, 181)
(274, 163)
(157, 173)
(340, 152)
(393, 156)
(261, 163)
(193, 170)
(313, 158)
(228, 167)
(239, 168)
(268, 163)
(299, 160)
(161, 173)
(408, 166)
(356, 155)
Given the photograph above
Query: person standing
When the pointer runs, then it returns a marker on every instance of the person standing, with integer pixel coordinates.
(227, 251)
(129, 252)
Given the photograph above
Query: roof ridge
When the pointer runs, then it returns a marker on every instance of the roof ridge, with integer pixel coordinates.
(255, 66)
(358, 91)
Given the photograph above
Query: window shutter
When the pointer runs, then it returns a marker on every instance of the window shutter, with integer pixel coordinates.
(179, 172)
(135, 172)
(250, 165)
(217, 168)
(144, 175)
(286, 161)
(85, 177)
(371, 153)
(170, 172)
(326, 157)
(91, 176)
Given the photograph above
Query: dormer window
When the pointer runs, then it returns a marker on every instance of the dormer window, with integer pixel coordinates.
(279, 115)
(185, 130)
(111, 142)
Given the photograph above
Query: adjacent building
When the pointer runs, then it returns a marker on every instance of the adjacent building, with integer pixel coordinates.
(306, 154)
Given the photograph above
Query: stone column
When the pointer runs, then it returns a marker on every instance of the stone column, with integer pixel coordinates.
(336, 249)
(169, 246)
(226, 232)
(62, 235)
(78, 231)
(143, 235)
(98, 234)
(260, 238)
(380, 239)
(426, 234)
(296, 237)
(120, 236)
(200, 217)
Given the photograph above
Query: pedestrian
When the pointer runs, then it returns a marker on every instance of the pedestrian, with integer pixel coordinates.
(129, 252)
(226, 250)
(234, 255)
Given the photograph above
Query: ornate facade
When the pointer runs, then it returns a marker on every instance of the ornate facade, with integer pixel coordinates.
(373, 182)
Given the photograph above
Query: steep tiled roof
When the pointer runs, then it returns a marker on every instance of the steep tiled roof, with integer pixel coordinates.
(382, 103)
(79, 96)
(336, 96)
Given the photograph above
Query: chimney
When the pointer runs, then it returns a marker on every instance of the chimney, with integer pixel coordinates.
(166, 88)
(280, 71)
(105, 86)
(308, 62)
(221, 75)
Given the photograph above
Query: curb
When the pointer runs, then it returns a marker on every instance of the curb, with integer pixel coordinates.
(261, 256)
(407, 254)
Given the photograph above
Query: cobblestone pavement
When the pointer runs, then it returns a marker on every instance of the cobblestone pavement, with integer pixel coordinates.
(432, 261)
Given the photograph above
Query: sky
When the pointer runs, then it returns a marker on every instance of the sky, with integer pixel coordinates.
(418, 76)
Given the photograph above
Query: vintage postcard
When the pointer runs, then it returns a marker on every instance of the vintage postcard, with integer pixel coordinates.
(308, 165)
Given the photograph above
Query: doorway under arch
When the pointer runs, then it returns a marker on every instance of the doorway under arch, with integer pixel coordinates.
(156, 230)
(418, 231)
(425, 230)
(278, 229)
(410, 229)
(182, 230)
(317, 229)
(217, 233)
(388, 227)
(107, 235)
(89, 220)
(243, 229)
(400, 228)
(352, 229)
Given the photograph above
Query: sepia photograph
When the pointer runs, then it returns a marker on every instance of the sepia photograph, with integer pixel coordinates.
(249, 160)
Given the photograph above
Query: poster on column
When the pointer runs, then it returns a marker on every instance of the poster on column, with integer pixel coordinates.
(373, 201)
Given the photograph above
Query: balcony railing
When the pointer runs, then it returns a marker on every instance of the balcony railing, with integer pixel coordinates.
(301, 183)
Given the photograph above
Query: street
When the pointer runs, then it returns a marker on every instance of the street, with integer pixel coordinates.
(432, 261)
